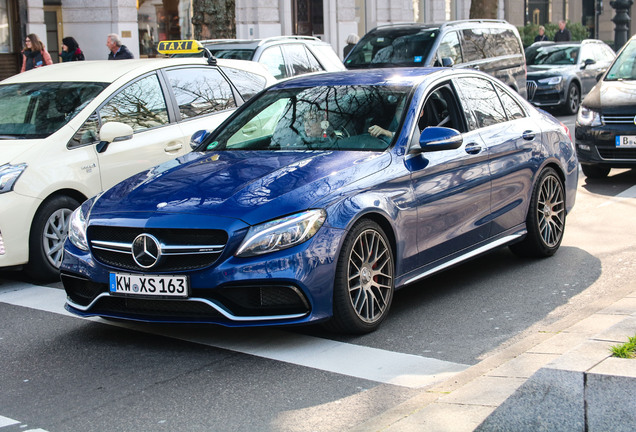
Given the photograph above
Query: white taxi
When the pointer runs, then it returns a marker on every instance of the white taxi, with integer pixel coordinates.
(69, 131)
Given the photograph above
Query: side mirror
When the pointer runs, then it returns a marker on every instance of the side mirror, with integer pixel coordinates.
(588, 62)
(447, 62)
(438, 138)
(197, 138)
(112, 132)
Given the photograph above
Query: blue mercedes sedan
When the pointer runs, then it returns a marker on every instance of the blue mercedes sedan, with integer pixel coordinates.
(320, 197)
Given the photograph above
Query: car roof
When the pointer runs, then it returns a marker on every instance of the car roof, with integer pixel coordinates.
(382, 76)
(108, 71)
(254, 43)
(470, 23)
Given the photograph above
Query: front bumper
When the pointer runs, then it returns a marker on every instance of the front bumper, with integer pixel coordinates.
(597, 145)
(16, 214)
(293, 286)
(548, 95)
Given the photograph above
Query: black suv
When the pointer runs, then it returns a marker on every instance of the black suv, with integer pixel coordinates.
(605, 132)
(284, 56)
(492, 46)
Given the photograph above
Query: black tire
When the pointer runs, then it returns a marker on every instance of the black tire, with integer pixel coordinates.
(546, 217)
(595, 171)
(46, 240)
(573, 100)
(364, 282)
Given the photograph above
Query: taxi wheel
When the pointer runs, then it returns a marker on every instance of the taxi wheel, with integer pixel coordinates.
(546, 217)
(573, 100)
(46, 241)
(363, 288)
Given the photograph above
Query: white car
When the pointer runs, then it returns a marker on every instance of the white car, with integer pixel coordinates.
(69, 131)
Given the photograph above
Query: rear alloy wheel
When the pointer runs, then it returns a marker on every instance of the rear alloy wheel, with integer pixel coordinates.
(546, 217)
(48, 233)
(574, 99)
(363, 288)
(595, 171)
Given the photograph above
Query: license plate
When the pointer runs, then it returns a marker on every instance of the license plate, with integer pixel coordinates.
(144, 285)
(626, 141)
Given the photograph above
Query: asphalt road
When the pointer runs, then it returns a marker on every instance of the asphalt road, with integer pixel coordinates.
(62, 373)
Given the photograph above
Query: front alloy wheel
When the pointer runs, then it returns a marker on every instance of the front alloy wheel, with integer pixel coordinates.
(363, 288)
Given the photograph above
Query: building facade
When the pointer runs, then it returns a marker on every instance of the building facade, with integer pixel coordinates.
(143, 23)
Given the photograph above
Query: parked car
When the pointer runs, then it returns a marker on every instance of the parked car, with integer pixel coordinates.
(283, 56)
(561, 73)
(71, 130)
(356, 184)
(606, 123)
(491, 46)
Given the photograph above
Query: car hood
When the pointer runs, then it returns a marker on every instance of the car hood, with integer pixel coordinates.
(612, 96)
(250, 186)
(540, 71)
(12, 149)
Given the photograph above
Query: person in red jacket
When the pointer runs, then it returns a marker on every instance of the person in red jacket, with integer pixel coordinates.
(34, 54)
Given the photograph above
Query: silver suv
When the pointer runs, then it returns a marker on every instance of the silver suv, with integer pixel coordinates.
(284, 56)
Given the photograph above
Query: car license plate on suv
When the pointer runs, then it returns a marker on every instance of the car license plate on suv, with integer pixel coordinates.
(626, 141)
(143, 285)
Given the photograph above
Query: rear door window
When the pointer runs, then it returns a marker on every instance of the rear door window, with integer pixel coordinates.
(481, 99)
(450, 47)
(273, 60)
(300, 60)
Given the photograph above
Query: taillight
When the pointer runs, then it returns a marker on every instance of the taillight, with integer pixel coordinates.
(566, 130)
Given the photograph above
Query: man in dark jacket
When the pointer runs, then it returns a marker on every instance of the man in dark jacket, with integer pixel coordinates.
(117, 50)
(563, 35)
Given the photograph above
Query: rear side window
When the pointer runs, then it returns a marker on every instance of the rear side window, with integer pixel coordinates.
(200, 91)
(247, 83)
(484, 43)
(272, 58)
(481, 99)
(300, 60)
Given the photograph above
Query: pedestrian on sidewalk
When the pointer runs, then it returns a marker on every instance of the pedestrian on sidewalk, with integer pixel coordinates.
(71, 50)
(563, 35)
(541, 37)
(118, 51)
(34, 54)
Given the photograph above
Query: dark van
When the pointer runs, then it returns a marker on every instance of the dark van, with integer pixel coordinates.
(492, 46)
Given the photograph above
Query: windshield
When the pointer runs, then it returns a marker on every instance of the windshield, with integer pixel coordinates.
(404, 47)
(624, 67)
(36, 110)
(317, 118)
(552, 55)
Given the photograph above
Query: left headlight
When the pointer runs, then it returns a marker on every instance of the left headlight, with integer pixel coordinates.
(588, 117)
(281, 233)
(9, 175)
(77, 226)
(551, 81)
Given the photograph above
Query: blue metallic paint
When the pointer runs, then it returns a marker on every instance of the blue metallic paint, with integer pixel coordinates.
(436, 207)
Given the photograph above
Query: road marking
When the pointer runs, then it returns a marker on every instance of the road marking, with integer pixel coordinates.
(626, 194)
(6, 421)
(406, 370)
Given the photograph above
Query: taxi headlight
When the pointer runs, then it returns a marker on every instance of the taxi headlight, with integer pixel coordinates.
(588, 117)
(9, 175)
(77, 226)
(555, 80)
(281, 233)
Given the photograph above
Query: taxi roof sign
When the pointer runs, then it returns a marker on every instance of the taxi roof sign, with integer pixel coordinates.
(179, 47)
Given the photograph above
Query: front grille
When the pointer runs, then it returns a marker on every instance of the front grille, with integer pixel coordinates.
(615, 153)
(261, 299)
(619, 119)
(82, 291)
(181, 249)
(531, 87)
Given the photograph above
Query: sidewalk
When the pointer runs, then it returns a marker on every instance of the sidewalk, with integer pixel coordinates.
(561, 380)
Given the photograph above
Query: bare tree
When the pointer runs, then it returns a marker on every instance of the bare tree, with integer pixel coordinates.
(483, 9)
(214, 19)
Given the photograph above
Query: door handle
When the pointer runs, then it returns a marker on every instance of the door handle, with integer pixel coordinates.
(472, 148)
(528, 135)
(249, 130)
(173, 148)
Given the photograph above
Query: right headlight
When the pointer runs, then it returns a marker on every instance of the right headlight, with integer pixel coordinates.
(77, 225)
(588, 117)
(9, 175)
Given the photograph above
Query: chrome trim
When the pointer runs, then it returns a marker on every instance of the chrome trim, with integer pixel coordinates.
(213, 305)
(618, 119)
(466, 256)
(165, 249)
